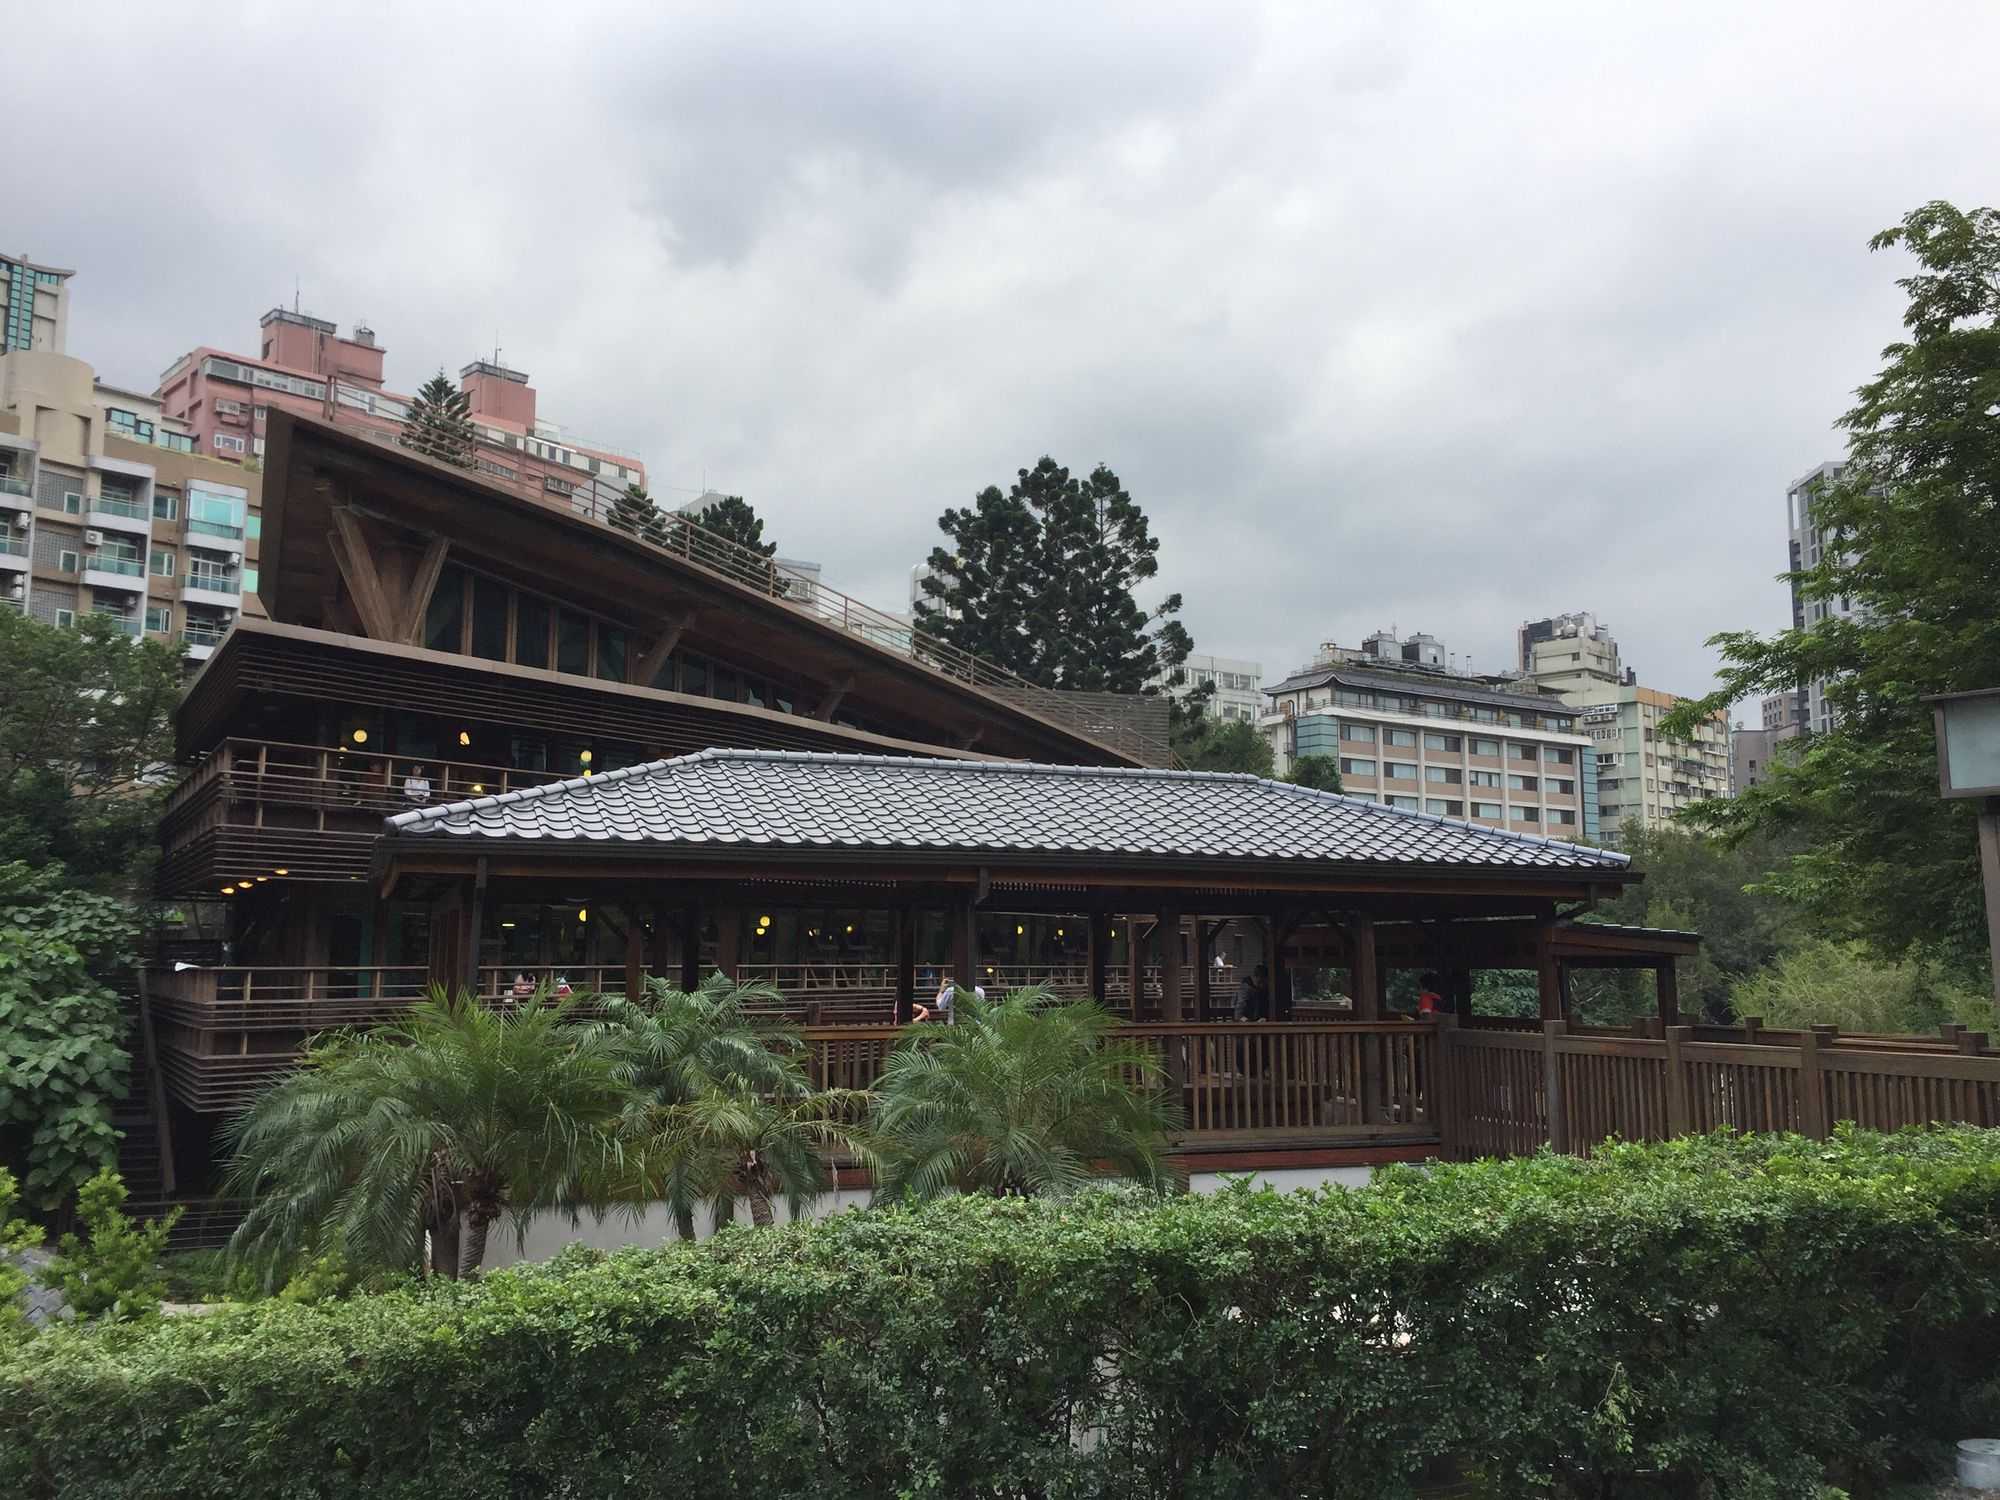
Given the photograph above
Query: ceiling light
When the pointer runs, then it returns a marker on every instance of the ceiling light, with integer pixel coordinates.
(583, 914)
(360, 736)
(1019, 930)
(281, 871)
(585, 757)
(506, 924)
(478, 787)
(464, 738)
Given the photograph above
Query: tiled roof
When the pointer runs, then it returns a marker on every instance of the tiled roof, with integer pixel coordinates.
(770, 799)
(1414, 683)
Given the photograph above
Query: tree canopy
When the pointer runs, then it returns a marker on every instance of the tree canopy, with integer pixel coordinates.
(439, 424)
(734, 519)
(1042, 581)
(635, 514)
(1205, 744)
(1913, 541)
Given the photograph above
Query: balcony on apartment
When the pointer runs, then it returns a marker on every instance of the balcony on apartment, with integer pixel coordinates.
(121, 570)
(203, 636)
(124, 624)
(16, 491)
(13, 550)
(119, 511)
(220, 588)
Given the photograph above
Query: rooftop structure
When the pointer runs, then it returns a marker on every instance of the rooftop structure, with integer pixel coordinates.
(1569, 651)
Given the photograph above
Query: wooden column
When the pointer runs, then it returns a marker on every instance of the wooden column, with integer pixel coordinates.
(691, 946)
(1812, 1085)
(1548, 975)
(635, 953)
(1366, 977)
(1552, 1033)
(1135, 966)
(906, 966)
(475, 927)
(662, 929)
(964, 942)
(1666, 984)
(1100, 956)
(1172, 1007)
(729, 939)
(1679, 1112)
(1204, 940)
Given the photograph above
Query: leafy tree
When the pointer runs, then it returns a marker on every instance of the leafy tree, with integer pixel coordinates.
(1913, 543)
(732, 1117)
(1027, 1095)
(1040, 581)
(441, 1122)
(114, 1270)
(63, 1063)
(734, 520)
(1844, 985)
(86, 737)
(439, 425)
(16, 1235)
(1225, 745)
(1320, 772)
(635, 514)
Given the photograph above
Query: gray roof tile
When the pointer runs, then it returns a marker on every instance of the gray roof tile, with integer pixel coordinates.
(793, 799)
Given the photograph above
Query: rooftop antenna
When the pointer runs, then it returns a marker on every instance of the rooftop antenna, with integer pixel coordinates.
(295, 292)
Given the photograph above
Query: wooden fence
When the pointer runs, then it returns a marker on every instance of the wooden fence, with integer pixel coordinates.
(1507, 1091)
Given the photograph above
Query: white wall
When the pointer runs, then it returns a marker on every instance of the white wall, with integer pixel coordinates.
(551, 1232)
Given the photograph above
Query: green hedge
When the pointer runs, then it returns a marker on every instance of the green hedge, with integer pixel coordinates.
(1727, 1317)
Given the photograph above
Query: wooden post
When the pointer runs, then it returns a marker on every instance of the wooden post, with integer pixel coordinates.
(1679, 1112)
(1135, 968)
(906, 965)
(1441, 1097)
(964, 942)
(662, 928)
(1204, 939)
(475, 926)
(1552, 1033)
(635, 954)
(728, 939)
(156, 1094)
(1812, 1087)
(1667, 986)
(1100, 957)
(1366, 977)
(691, 946)
(1548, 973)
(1171, 1005)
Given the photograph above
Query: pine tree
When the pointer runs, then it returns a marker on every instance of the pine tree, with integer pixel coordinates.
(1040, 581)
(733, 519)
(635, 514)
(440, 423)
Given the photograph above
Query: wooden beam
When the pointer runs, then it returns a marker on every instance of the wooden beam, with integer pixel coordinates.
(1172, 1007)
(635, 954)
(1204, 939)
(648, 664)
(423, 583)
(728, 939)
(964, 942)
(1100, 955)
(1548, 972)
(475, 924)
(1667, 987)
(906, 965)
(691, 946)
(351, 552)
(1135, 967)
(830, 699)
(1367, 978)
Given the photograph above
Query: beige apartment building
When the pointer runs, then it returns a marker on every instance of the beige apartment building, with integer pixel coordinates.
(106, 510)
(1410, 733)
(1643, 777)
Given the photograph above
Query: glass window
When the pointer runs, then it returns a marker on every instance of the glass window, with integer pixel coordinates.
(610, 654)
(1528, 814)
(1558, 756)
(160, 618)
(1450, 742)
(1444, 808)
(1565, 787)
(572, 642)
(669, 674)
(444, 621)
(723, 684)
(489, 619)
(1522, 783)
(1360, 734)
(1517, 751)
(249, 580)
(1407, 804)
(253, 526)
(166, 507)
(1354, 766)
(1486, 810)
(1484, 778)
(1486, 747)
(1444, 775)
(163, 562)
(1564, 815)
(1401, 770)
(1405, 739)
(694, 676)
(531, 631)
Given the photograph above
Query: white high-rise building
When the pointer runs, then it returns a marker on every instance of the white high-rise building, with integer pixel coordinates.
(1239, 685)
(1808, 546)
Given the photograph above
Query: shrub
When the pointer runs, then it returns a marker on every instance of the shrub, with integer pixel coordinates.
(1842, 984)
(115, 1271)
(16, 1235)
(1712, 1317)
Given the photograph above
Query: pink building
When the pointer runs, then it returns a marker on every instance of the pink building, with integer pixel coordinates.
(305, 366)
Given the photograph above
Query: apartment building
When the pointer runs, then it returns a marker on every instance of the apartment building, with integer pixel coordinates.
(1239, 692)
(1643, 777)
(1411, 733)
(34, 306)
(1808, 545)
(106, 509)
(304, 365)
(1568, 651)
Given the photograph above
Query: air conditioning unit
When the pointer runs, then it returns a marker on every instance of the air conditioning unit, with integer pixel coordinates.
(93, 539)
(236, 557)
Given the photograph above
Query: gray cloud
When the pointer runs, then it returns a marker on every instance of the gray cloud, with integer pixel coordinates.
(1434, 316)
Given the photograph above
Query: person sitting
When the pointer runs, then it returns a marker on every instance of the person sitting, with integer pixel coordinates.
(1253, 995)
(417, 786)
(524, 987)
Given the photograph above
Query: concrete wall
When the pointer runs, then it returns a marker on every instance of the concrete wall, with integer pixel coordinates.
(551, 1233)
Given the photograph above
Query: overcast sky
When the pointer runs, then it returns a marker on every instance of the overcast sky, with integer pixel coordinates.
(1434, 317)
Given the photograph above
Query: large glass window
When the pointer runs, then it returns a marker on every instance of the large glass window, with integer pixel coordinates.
(1517, 751)
(1448, 742)
(444, 621)
(1444, 807)
(1486, 747)
(531, 631)
(166, 507)
(1355, 766)
(610, 654)
(1407, 804)
(1444, 775)
(1405, 739)
(1522, 783)
(1486, 810)
(1400, 770)
(572, 642)
(1360, 734)
(216, 509)
(489, 619)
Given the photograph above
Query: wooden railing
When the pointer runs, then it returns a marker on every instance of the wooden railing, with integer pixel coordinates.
(1511, 1091)
(278, 773)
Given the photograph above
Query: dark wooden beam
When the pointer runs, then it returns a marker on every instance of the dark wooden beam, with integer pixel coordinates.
(691, 946)
(1548, 972)
(1204, 939)
(1100, 955)
(830, 699)
(906, 965)
(635, 954)
(1667, 987)
(728, 939)
(356, 560)
(648, 664)
(1367, 978)
(964, 941)
(422, 584)
(1172, 1005)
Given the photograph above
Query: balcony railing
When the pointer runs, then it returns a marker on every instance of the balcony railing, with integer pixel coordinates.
(204, 635)
(330, 778)
(123, 624)
(14, 546)
(9, 485)
(113, 505)
(215, 528)
(106, 562)
(214, 583)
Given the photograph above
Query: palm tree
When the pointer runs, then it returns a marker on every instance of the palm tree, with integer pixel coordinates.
(439, 1123)
(728, 1114)
(1028, 1095)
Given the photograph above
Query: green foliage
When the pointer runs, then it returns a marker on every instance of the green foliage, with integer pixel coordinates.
(1912, 542)
(16, 1235)
(635, 513)
(1715, 1317)
(1026, 1095)
(1320, 772)
(1224, 745)
(63, 1064)
(85, 731)
(1041, 581)
(734, 520)
(1844, 985)
(439, 424)
(442, 1122)
(727, 1114)
(113, 1270)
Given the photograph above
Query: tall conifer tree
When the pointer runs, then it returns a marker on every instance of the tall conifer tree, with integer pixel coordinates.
(440, 423)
